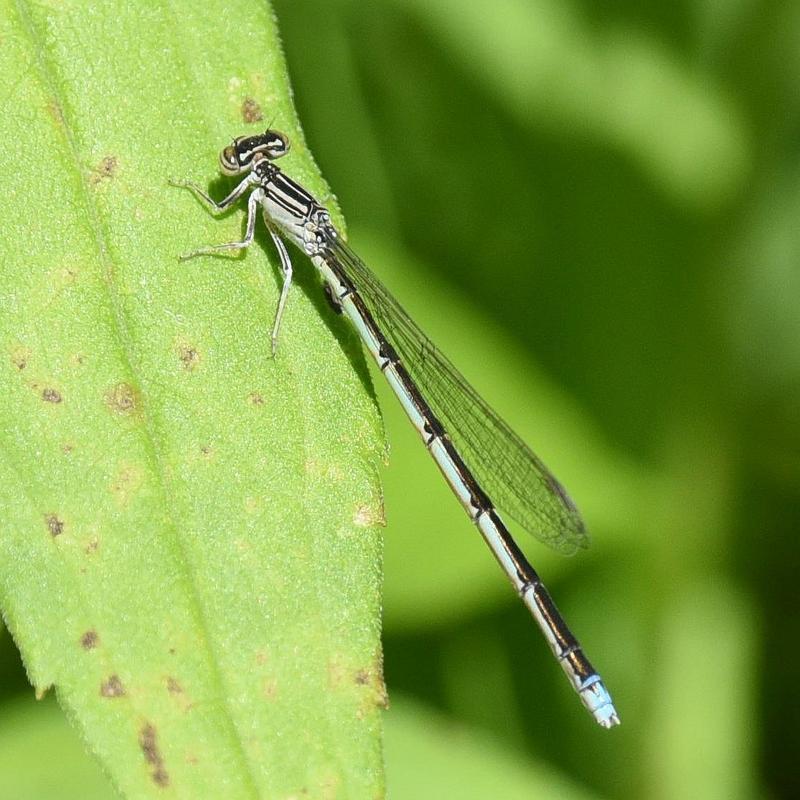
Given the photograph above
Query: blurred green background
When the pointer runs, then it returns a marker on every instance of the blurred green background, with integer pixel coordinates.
(593, 208)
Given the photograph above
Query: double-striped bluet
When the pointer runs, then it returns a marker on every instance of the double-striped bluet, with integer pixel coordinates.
(476, 451)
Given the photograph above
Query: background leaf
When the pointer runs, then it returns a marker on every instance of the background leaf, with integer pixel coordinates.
(189, 551)
(27, 731)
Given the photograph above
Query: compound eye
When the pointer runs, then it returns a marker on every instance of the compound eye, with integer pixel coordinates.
(229, 161)
(276, 144)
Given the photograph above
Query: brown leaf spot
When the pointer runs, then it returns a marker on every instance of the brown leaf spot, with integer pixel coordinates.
(255, 399)
(362, 677)
(20, 356)
(122, 399)
(269, 688)
(50, 395)
(382, 697)
(372, 678)
(173, 687)
(89, 640)
(189, 357)
(54, 524)
(56, 111)
(152, 754)
(68, 276)
(112, 687)
(147, 741)
(251, 111)
(105, 170)
(160, 777)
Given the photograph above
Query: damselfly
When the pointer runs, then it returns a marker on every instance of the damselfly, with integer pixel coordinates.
(478, 454)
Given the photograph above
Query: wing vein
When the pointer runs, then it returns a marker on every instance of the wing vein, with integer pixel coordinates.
(507, 469)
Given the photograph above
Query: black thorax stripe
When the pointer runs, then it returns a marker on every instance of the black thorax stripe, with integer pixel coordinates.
(289, 195)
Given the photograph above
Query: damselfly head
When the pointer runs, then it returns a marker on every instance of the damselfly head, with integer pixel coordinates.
(239, 156)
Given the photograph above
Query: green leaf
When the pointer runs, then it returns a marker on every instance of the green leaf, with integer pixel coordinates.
(459, 762)
(189, 549)
(717, 704)
(26, 731)
(551, 66)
